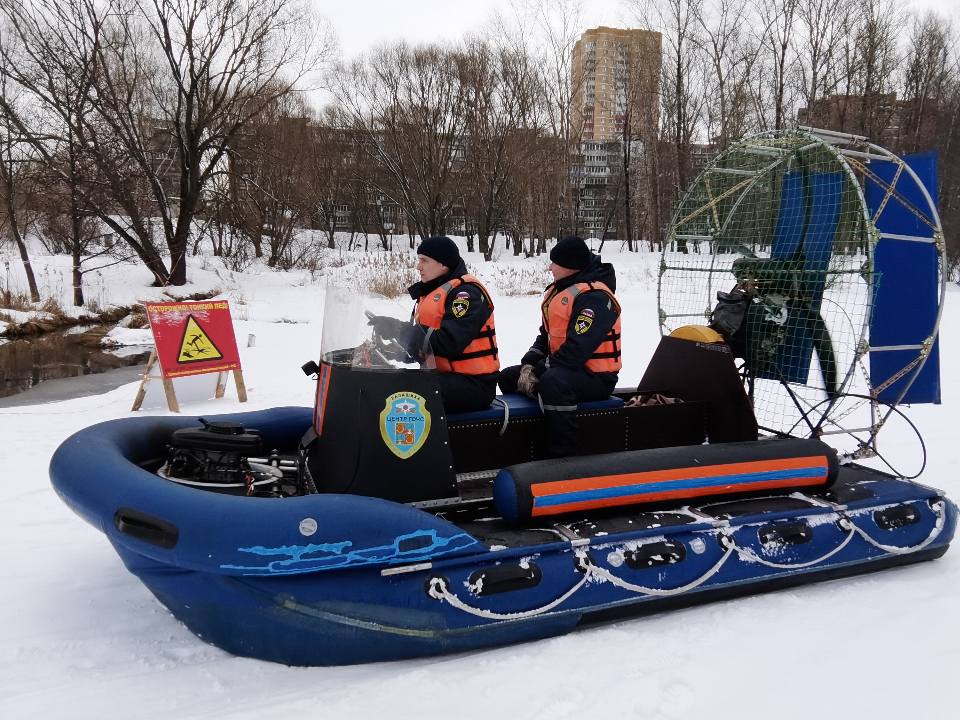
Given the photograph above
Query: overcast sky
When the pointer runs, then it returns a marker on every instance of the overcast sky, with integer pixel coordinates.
(362, 23)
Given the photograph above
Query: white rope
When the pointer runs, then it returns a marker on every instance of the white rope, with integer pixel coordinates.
(938, 508)
(751, 556)
(607, 575)
(506, 415)
(439, 590)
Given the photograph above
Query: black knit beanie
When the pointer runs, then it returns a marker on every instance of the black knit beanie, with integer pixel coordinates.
(442, 249)
(571, 253)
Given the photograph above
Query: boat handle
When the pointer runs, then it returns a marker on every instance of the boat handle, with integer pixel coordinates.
(505, 578)
(896, 517)
(795, 533)
(655, 554)
(147, 528)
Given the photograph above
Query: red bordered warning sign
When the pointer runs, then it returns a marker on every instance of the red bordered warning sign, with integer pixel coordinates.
(193, 337)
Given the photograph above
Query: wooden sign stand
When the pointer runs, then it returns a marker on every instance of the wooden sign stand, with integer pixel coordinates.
(171, 394)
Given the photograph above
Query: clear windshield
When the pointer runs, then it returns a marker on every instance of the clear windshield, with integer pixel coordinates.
(365, 330)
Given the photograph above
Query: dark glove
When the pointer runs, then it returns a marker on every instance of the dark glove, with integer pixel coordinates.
(414, 339)
(388, 328)
(532, 357)
(398, 354)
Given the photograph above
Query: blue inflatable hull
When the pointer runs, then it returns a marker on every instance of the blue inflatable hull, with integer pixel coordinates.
(336, 579)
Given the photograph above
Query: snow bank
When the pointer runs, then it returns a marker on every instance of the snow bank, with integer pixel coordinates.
(22, 316)
(123, 337)
(83, 635)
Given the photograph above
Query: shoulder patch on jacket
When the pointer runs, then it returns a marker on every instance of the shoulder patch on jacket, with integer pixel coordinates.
(461, 303)
(584, 321)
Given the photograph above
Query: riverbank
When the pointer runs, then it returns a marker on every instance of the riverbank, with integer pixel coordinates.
(22, 319)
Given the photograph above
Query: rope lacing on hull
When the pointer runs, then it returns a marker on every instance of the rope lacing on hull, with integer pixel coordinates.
(938, 508)
(438, 589)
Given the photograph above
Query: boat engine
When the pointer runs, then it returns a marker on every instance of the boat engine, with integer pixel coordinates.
(225, 457)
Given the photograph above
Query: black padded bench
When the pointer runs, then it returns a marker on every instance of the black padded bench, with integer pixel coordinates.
(512, 430)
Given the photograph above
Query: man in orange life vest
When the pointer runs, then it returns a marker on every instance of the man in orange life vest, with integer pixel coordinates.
(453, 322)
(576, 357)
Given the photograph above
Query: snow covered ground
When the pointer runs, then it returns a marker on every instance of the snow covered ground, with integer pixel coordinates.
(81, 637)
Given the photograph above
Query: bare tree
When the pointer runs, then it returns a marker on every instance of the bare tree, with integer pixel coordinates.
(219, 64)
(270, 165)
(875, 72)
(947, 125)
(777, 33)
(503, 139)
(18, 174)
(821, 28)
(407, 104)
(682, 98)
(930, 49)
(57, 61)
(171, 83)
(331, 166)
(552, 28)
(730, 51)
(638, 85)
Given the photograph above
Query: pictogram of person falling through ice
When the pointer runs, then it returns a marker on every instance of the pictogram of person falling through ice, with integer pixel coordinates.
(196, 345)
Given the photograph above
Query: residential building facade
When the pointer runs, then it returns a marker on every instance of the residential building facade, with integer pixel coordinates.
(615, 80)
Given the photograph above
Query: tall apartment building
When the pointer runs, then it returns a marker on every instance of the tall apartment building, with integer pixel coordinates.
(616, 80)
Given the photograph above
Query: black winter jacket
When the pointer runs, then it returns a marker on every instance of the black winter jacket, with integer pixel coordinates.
(455, 333)
(577, 349)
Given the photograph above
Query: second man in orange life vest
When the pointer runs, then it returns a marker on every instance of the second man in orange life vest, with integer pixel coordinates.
(576, 356)
(453, 322)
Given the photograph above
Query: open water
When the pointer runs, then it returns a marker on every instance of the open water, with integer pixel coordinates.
(53, 366)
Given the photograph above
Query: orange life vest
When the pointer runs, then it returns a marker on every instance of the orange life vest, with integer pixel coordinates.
(557, 309)
(480, 356)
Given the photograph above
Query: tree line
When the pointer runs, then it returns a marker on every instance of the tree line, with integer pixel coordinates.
(148, 128)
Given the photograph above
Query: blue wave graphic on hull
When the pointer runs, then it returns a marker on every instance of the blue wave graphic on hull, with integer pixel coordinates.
(419, 545)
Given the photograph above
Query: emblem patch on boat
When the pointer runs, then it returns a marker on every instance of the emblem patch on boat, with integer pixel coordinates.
(461, 303)
(584, 321)
(405, 423)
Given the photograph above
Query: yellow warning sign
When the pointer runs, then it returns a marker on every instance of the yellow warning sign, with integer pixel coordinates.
(196, 346)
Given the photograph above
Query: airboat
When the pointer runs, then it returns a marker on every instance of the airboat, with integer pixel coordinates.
(376, 527)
